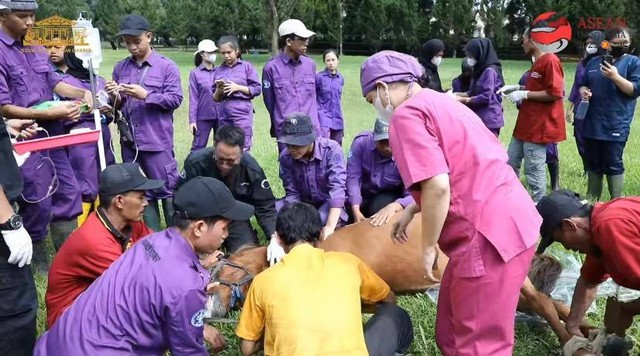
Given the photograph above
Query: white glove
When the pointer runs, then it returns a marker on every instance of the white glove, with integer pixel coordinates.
(19, 243)
(508, 89)
(275, 252)
(517, 96)
(451, 94)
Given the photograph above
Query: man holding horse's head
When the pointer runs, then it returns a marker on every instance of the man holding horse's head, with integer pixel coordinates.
(310, 302)
(153, 297)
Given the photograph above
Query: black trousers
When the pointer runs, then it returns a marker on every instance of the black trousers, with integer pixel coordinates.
(389, 331)
(18, 307)
(240, 233)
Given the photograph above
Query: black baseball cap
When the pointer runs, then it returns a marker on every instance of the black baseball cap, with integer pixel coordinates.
(125, 177)
(133, 25)
(206, 197)
(555, 207)
(298, 130)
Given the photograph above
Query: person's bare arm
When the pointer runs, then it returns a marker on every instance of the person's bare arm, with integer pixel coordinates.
(584, 294)
(248, 347)
(69, 111)
(541, 95)
(532, 300)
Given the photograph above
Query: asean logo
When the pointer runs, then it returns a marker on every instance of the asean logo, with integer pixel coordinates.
(551, 32)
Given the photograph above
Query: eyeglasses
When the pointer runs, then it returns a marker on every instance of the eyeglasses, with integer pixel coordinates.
(227, 161)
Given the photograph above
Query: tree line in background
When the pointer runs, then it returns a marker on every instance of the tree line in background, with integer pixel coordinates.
(362, 26)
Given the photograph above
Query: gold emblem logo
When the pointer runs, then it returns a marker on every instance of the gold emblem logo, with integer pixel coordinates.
(56, 31)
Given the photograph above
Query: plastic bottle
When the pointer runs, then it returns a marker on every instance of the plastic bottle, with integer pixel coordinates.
(581, 112)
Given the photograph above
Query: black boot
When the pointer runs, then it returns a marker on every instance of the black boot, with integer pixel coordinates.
(40, 259)
(167, 211)
(152, 215)
(60, 231)
(554, 174)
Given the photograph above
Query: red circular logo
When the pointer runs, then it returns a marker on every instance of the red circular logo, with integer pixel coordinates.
(551, 32)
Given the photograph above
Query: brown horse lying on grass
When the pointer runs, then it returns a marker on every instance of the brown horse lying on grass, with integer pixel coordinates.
(398, 265)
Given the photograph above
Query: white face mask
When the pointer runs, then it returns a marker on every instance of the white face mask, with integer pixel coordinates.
(436, 60)
(591, 49)
(210, 58)
(471, 61)
(384, 114)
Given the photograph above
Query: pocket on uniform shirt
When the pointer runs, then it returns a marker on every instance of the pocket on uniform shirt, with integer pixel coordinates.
(310, 87)
(283, 87)
(154, 84)
(18, 75)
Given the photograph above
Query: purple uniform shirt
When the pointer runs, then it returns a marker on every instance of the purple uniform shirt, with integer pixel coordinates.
(574, 96)
(26, 78)
(151, 118)
(369, 173)
(329, 90)
(318, 180)
(151, 299)
(238, 105)
(201, 104)
(289, 86)
(484, 100)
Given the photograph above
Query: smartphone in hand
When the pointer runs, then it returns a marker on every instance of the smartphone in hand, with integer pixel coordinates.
(607, 58)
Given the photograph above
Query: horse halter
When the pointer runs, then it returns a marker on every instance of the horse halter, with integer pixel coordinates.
(236, 287)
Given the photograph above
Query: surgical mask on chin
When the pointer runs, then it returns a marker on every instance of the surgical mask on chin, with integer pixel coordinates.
(436, 60)
(384, 114)
(591, 49)
(471, 61)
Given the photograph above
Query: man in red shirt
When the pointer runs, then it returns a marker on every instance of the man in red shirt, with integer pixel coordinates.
(608, 233)
(105, 235)
(541, 116)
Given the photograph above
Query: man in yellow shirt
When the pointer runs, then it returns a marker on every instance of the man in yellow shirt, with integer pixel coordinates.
(310, 302)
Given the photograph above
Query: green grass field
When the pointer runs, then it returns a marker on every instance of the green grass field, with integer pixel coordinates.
(359, 115)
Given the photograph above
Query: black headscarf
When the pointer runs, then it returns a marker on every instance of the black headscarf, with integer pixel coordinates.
(74, 65)
(481, 49)
(597, 37)
(431, 78)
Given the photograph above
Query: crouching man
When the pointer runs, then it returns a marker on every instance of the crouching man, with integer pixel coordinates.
(152, 298)
(608, 234)
(106, 234)
(310, 302)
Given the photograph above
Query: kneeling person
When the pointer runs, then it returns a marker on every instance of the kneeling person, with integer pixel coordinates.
(105, 235)
(374, 185)
(313, 171)
(322, 314)
(242, 174)
(153, 297)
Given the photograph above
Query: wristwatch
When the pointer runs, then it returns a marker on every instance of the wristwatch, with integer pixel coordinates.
(14, 223)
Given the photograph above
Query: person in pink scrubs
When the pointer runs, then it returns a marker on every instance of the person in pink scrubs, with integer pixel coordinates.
(472, 205)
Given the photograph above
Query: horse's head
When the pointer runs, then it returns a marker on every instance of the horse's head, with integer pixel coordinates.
(235, 274)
